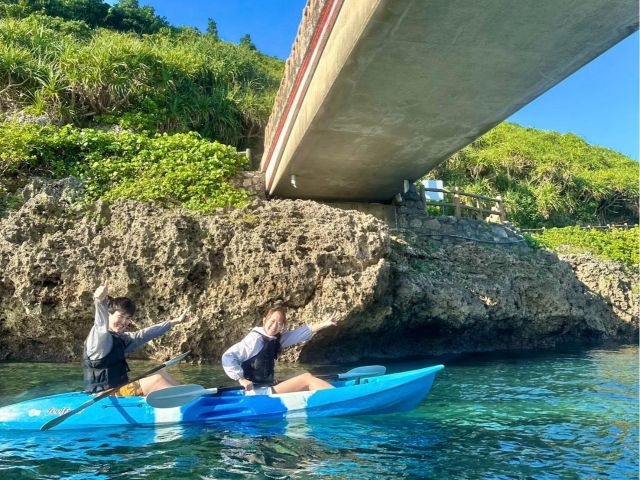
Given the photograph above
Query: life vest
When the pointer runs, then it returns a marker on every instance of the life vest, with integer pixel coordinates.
(108, 371)
(260, 368)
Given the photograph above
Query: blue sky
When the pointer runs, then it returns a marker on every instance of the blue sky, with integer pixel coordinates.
(599, 102)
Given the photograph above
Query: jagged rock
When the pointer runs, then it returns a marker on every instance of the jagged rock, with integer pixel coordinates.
(397, 296)
(609, 280)
(227, 269)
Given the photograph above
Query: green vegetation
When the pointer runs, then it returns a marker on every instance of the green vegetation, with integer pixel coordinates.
(171, 170)
(621, 245)
(546, 178)
(126, 15)
(174, 80)
(212, 29)
(246, 42)
(169, 94)
(69, 69)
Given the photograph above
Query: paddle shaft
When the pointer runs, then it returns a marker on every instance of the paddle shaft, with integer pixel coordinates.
(327, 375)
(367, 371)
(182, 394)
(58, 420)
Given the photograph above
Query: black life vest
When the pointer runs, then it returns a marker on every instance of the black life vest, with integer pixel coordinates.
(260, 368)
(108, 371)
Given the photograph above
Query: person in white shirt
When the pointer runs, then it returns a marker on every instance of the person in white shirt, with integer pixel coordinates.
(251, 362)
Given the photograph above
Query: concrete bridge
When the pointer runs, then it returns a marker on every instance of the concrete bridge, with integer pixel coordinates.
(381, 91)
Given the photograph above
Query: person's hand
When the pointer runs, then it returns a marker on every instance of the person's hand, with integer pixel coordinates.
(101, 292)
(333, 319)
(247, 384)
(185, 317)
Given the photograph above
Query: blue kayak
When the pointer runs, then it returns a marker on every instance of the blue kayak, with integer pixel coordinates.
(392, 393)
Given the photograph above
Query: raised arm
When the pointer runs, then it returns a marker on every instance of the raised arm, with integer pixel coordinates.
(99, 342)
(332, 321)
(305, 332)
(298, 335)
(140, 337)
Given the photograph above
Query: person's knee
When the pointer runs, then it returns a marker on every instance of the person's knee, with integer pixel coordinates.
(153, 384)
(147, 385)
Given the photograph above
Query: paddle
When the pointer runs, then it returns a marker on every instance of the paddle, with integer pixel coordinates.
(58, 420)
(368, 371)
(182, 394)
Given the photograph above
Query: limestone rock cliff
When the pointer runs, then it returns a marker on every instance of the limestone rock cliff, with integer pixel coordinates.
(397, 294)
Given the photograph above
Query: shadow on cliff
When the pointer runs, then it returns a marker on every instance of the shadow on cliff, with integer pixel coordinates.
(463, 297)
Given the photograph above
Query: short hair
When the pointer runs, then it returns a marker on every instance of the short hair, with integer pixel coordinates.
(278, 308)
(122, 304)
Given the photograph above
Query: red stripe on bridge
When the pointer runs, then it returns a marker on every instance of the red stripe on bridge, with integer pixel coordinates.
(317, 44)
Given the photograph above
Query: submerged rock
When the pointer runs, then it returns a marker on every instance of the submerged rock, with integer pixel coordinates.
(397, 295)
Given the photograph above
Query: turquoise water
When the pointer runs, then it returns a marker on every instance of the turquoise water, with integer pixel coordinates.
(552, 415)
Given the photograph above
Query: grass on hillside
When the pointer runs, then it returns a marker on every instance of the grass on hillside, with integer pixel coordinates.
(169, 82)
(546, 178)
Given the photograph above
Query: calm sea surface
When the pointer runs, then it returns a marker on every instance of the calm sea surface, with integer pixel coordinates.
(552, 415)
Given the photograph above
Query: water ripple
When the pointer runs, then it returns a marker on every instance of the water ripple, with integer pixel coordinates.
(541, 416)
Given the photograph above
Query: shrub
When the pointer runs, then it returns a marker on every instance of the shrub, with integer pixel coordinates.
(125, 15)
(172, 170)
(621, 245)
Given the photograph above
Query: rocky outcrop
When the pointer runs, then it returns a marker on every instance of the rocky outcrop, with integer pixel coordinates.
(611, 281)
(397, 294)
(226, 269)
(459, 297)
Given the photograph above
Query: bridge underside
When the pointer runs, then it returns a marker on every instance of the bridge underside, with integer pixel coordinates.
(403, 84)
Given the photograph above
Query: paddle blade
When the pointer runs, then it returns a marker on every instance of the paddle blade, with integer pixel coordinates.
(177, 396)
(56, 421)
(359, 372)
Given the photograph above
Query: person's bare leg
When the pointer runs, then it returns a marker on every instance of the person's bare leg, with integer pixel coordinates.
(303, 382)
(160, 380)
(168, 378)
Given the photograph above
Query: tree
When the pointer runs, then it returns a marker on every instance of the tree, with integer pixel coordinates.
(247, 43)
(16, 9)
(128, 15)
(212, 29)
(93, 12)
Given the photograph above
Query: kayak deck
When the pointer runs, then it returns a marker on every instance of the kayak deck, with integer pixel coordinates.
(364, 396)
